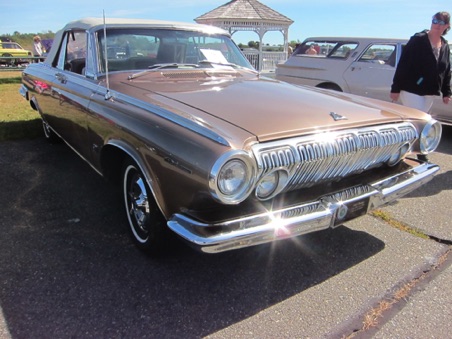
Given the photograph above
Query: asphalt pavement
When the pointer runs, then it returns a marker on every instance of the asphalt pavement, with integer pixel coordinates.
(68, 268)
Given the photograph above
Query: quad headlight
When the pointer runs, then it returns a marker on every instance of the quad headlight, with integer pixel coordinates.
(267, 185)
(271, 184)
(430, 137)
(399, 155)
(232, 178)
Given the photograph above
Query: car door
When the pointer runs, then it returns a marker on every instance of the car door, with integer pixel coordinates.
(71, 92)
(371, 74)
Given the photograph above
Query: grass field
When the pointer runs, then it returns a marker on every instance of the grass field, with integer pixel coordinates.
(10, 74)
(17, 119)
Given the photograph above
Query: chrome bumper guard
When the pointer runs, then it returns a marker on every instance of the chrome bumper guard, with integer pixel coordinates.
(328, 211)
(23, 91)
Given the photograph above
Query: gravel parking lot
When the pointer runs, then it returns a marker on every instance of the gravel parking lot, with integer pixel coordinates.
(68, 269)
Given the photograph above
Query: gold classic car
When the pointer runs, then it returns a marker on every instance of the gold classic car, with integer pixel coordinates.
(207, 150)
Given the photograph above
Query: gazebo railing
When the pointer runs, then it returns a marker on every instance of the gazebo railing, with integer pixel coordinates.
(269, 59)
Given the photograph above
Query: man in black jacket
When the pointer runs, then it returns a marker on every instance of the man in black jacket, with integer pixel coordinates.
(424, 67)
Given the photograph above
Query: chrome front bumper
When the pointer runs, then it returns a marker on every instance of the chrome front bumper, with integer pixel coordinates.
(328, 211)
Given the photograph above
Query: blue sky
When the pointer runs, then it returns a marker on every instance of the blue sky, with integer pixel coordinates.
(381, 18)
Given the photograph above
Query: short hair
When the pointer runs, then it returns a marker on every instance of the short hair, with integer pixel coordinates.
(444, 16)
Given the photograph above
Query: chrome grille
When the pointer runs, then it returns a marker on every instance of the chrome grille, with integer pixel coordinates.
(302, 210)
(330, 156)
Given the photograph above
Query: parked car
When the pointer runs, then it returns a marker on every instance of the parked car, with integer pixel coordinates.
(206, 149)
(362, 66)
(9, 50)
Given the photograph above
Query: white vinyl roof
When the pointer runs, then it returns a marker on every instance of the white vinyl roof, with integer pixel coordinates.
(98, 23)
(88, 23)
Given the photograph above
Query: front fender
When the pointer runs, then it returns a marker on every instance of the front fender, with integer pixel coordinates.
(109, 158)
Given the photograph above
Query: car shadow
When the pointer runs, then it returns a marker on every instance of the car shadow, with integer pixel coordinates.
(440, 182)
(68, 268)
(443, 180)
(445, 145)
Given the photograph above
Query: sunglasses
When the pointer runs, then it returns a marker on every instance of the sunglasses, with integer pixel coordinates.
(436, 21)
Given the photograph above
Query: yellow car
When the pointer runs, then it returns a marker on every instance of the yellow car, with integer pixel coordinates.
(13, 49)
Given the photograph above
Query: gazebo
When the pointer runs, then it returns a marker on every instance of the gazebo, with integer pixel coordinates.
(250, 15)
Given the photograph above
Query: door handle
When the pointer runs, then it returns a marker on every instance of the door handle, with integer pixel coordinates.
(61, 78)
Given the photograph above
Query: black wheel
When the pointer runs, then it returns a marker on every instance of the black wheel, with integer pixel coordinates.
(146, 223)
(331, 86)
(8, 62)
(49, 134)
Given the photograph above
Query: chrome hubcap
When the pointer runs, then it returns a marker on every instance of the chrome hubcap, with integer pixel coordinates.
(137, 204)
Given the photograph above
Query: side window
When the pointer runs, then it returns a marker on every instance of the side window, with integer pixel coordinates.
(343, 51)
(314, 48)
(380, 53)
(326, 49)
(72, 54)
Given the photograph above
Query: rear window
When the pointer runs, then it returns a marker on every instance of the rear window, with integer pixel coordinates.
(326, 49)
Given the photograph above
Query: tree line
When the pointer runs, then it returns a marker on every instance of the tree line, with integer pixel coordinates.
(26, 39)
(267, 47)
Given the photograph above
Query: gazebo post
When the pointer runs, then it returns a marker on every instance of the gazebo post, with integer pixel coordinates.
(286, 41)
(261, 32)
(249, 15)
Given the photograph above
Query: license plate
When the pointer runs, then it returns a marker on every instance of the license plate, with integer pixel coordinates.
(351, 210)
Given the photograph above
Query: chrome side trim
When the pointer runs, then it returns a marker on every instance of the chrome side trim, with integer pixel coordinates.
(189, 122)
(328, 211)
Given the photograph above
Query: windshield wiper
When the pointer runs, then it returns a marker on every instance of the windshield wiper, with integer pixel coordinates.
(160, 66)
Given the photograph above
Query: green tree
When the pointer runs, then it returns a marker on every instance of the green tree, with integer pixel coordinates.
(253, 44)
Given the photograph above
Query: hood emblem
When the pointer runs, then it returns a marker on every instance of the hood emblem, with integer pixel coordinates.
(337, 117)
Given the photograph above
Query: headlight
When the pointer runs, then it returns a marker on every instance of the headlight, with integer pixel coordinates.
(232, 177)
(271, 184)
(399, 155)
(267, 185)
(430, 136)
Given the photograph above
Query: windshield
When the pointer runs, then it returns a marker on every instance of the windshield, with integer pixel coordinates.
(141, 49)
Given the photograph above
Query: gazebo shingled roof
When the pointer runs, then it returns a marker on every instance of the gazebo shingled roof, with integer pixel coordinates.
(244, 10)
(248, 15)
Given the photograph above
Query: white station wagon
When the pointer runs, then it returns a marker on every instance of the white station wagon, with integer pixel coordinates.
(362, 66)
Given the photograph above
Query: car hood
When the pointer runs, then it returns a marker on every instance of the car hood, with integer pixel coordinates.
(267, 108)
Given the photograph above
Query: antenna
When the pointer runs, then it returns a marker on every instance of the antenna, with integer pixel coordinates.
(108, 94)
